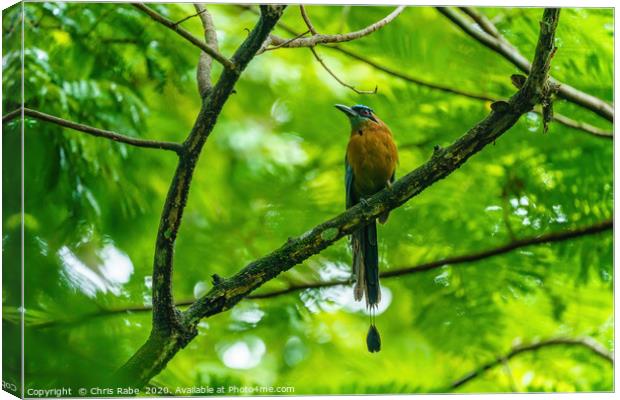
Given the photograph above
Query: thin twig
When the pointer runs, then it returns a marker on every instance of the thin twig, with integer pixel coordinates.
(186, 35)
(571, 123)
(117, 137)
(306, 19)
(190, 16)
(340, 81)
(585, 342)
(484, 23)
(283, 43)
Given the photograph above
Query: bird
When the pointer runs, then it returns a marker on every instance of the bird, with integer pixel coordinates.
(370, 166)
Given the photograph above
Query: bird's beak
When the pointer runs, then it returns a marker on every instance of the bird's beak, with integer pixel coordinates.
(346, 110)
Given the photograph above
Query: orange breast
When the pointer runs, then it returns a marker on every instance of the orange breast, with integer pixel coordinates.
(373, 157)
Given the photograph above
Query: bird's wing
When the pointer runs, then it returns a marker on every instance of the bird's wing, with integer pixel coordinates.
(383, 217)
(348, 183)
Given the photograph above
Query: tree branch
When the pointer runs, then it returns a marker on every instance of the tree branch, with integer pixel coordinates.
(186, 35)
(592, 130)
(11, 115)
(316, 39)
(586, 342)
(587, 128)
(484, 23)
(198, 12)
(169, 333)
(230, 291)
(509, 52)
(264, 48)
(547, 238)
(203, 72)
(117, 137)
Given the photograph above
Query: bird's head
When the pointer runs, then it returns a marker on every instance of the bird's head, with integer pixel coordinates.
(358, 114)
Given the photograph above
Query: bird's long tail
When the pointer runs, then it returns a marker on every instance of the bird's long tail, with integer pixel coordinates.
(366, 264)
(366, 270)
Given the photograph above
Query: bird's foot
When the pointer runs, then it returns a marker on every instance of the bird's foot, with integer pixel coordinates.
(364, 203)
(216, 279)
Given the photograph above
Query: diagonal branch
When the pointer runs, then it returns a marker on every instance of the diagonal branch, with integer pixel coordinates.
(117, 137)
(316, 39)
(586, 342)
(11, 115)
(228, 292)
(583, 126)
(186, 35)
(484, 23)
(306, 19)
(509, 52)
(198, 12)
(340, 81)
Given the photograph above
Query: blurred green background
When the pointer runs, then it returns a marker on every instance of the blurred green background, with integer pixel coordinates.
(272, 169)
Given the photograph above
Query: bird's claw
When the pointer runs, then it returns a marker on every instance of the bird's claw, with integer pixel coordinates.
(364, 203)
(216, 279)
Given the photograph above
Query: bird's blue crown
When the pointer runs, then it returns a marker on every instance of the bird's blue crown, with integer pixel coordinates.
(359, 107)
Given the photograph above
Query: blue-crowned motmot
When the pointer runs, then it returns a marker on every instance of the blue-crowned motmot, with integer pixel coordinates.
(370, 166)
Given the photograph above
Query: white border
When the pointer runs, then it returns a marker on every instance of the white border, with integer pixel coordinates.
(481, 3)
